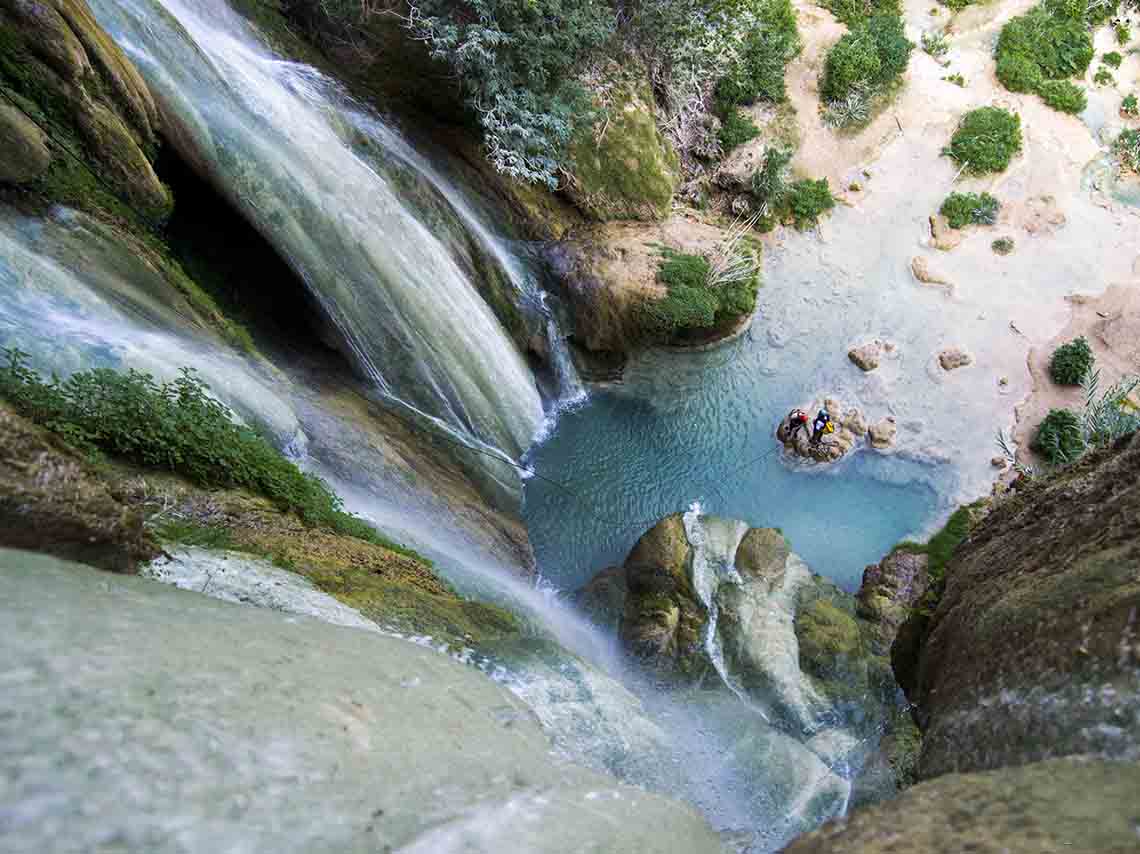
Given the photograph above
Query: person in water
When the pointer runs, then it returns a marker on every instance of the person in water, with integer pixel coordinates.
(821, 425)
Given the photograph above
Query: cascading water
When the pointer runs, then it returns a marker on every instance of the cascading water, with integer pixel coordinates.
(278, 139)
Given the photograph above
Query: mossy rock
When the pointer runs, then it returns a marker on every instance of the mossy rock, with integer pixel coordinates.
(24, 152)
(623, 167)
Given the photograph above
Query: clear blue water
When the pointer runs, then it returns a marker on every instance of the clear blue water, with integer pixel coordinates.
(688, 427)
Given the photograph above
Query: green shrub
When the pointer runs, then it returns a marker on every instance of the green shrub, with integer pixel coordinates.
(517, 63)
(770, 181)
(986, 140)
(808, 200)
(855, 12)
(1048, 44)
(935, 44)
(175, 426)
(869, 57)
(1063, 96)
(694, 299)
(1103, 77)
(1002, 246)
(1122, 32)
(736, 130)
(957, 79)
(1126, 147)
(767, 48)
(1070, 362)
(1059, 438)
(1129, 106)
(962, 209)
(1112, 59)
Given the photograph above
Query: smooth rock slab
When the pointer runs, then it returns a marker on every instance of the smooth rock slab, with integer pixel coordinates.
(139, 717)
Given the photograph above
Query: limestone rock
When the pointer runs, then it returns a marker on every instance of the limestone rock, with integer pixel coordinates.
(882, 433)
(67, 58)
(603, 597)
(24, 153)
(1048, 586)
(923, 272)
(239, 728)
(52, 501)
(1064, 804)
(867, 356)
(851, 429)
(953, 358)
(890, 589)
(945, 238)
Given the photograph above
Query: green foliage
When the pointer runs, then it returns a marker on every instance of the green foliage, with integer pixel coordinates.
(1126, 147)
(736, 130)
(766, 50)
(935, 44)
(1063, 96)
(1129, 106)
(697, 296)
(808, 200)
(1059, 438)
(869, 58)
(986, 140)
(770, 181)
(194, 534)
(1070, 362)
(957, 79)
(939, 549)
(855, 12)
(1122, 32)
(962, 209)
(175, 426)
(516, 62)
(1103, 77)
(1002, 246)
(1047, 45)
(1109, 416)
(1112, 59)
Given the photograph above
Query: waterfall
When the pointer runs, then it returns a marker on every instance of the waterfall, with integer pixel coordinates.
(714, 541)
(285, 145)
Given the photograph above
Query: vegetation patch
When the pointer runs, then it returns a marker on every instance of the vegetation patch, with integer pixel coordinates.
(962, 209)
(939, 549)
(1048, 44)
(1070, 362)
(1059, 438)
(1002, 246)
(855, 12)
(957, 79)
(176, 426)
(1126, 147)
(737, 129)
(868, 61)
(935, 44)
(1112, 59)
(1129, 107)
(1103, 77)
(1063, 96)
(779, 199)
(986, 140)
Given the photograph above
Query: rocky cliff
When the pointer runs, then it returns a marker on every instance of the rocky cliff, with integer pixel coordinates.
(1025, 677)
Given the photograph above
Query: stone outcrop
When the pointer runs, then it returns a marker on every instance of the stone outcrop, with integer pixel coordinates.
(927, 275)
(53, 501)
(24, 152)
(868, 356)
(1048, 586)
(234, 727)
(953, 358)
(1060, 805)
(851, 432)
(890, 589)
(64, 70)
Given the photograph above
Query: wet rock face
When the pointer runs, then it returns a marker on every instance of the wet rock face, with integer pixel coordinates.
(1034, 649)
(663, 620)
(181, 723)
(52, 501)
(64, 68)
(890, 589)
(1031, 808)
(24, 154)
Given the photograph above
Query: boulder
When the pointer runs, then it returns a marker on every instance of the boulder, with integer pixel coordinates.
(53, 501)
(890, 589)
(1033, 650)
(923, 272)
(851, 430)
(952, 358)
(24, 152)
(1074, 804)
(882, 433)
(867, 356)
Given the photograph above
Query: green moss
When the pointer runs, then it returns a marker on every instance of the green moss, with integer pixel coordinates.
(825, 633)
(623, 167)
(986, 140)
(195, 534)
